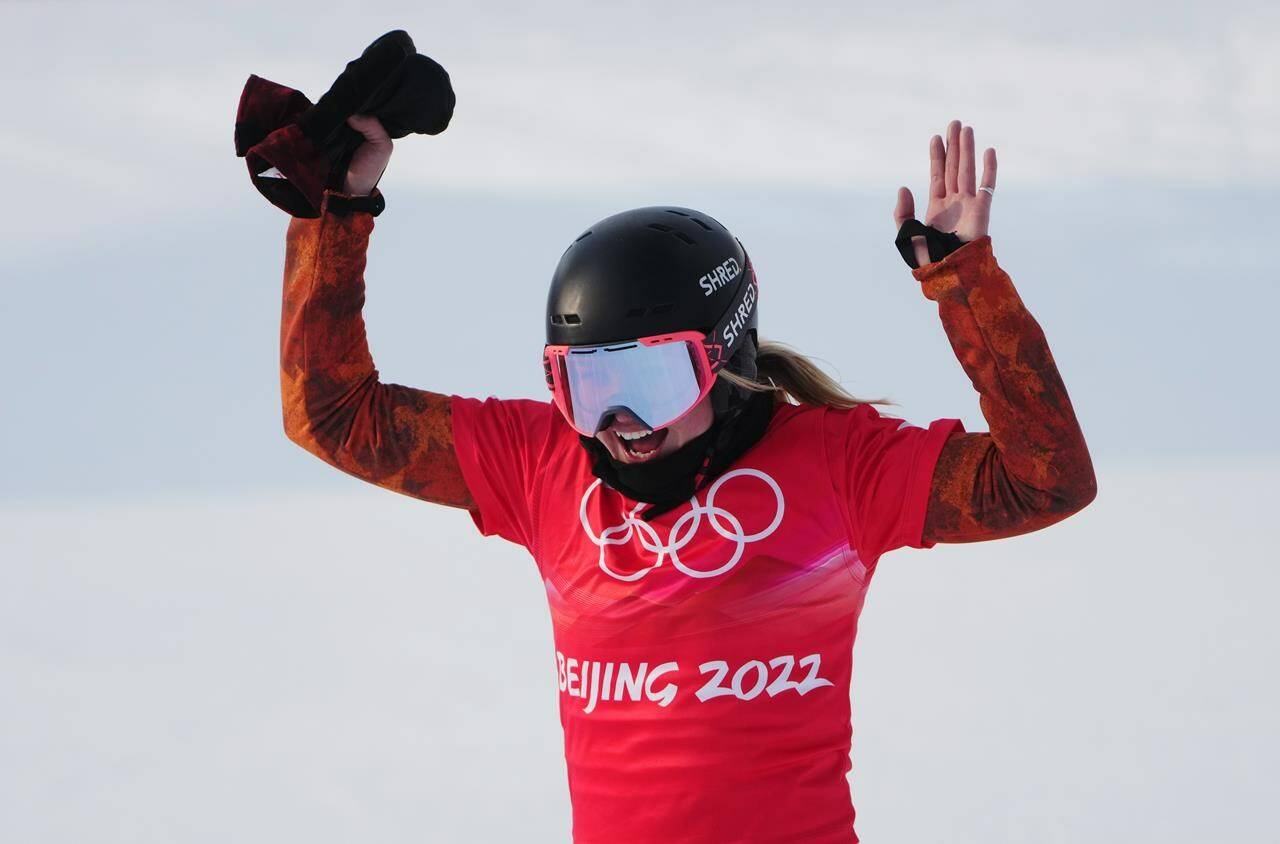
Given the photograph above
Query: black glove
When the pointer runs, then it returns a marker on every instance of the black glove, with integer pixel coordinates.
(940, 243)
(295, 150)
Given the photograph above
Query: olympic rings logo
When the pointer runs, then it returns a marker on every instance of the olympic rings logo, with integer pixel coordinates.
(683, 530)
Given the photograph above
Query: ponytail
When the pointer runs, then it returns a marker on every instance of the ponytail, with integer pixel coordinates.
(795, 379)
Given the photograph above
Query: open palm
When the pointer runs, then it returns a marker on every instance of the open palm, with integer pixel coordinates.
(955, 202)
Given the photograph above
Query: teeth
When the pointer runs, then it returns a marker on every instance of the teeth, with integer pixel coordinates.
(634, 435)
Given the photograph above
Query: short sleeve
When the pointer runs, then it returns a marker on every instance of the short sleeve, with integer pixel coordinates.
(501, 444)
(882, 469)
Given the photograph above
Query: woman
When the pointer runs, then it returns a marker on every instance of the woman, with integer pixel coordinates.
(706, 513)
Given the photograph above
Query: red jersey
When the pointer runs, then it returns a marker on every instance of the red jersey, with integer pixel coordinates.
(704, 658)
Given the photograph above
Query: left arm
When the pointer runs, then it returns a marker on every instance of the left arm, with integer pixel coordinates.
(1033, 468)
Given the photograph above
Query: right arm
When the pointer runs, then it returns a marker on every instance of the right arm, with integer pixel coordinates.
(335, 407)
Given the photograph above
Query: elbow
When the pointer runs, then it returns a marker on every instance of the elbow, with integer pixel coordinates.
(293, 434)
(1082, 483)
(293, 415)
(304, 437)
(1033, 508)
(1076, 493)
(341, 430)
(301, 426)
(328, 437)
(1088, 491)
(299, 430)
(298, 435)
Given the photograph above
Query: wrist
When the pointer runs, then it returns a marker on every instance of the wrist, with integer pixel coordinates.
(350, 189)
(960, 269)
(344, 204)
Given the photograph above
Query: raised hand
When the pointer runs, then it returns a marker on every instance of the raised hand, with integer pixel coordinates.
(956, 204)
(371, 157)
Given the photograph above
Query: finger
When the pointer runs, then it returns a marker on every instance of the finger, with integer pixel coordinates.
(989, 169)
(922, 250)
(937, 167)
(953, 155)
(905, 209)
(369, 126)
(967, 185)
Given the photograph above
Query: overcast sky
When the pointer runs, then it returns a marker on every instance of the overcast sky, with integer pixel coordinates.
(160, 619)
(566, 96)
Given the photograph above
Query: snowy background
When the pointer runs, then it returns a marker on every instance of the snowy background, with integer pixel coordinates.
(207, 635)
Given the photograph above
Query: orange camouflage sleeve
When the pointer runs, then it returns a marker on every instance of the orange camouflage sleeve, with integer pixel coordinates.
(1033, 468)
(334, 405)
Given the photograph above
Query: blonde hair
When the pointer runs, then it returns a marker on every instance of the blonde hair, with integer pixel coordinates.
(795, 379)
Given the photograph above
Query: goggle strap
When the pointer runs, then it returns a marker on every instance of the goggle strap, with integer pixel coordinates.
(736, 316)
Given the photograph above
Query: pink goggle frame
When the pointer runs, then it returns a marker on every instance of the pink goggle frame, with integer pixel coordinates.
(704, 357)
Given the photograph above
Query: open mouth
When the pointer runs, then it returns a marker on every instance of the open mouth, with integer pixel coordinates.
(640, 445)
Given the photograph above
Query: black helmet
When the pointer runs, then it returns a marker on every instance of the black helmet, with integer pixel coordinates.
(649, 271)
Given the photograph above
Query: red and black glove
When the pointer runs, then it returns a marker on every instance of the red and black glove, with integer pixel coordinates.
(296, 150)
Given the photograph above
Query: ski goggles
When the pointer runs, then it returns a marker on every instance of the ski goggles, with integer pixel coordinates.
(659, 378)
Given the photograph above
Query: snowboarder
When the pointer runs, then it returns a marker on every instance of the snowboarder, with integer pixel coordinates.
(706, 509)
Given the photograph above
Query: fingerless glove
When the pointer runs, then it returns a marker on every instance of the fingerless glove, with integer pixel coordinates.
(940, 243)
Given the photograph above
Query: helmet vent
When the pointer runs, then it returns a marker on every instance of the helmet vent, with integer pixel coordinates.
(635, 312)
(582, 236)
(659, 227)
(699, 222)
(664, 308)
(566, 319)
(674, 211)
